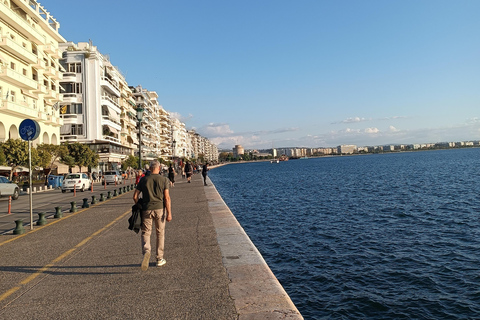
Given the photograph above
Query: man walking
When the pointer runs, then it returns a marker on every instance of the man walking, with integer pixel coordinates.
(156, 206)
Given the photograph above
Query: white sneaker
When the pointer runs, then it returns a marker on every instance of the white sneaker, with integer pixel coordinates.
(161, 262)
(145, 261)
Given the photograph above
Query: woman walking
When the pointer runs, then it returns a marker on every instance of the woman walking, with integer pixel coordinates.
(171, 175)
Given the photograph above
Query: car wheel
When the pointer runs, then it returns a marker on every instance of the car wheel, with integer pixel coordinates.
(16, 193)
(63, 191)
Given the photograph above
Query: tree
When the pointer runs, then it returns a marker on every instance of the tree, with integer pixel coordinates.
(130, 161)
(49, 154)
(79, 155)
(16, 154)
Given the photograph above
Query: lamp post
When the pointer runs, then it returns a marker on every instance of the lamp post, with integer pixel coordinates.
(140, 118)
(174, 143)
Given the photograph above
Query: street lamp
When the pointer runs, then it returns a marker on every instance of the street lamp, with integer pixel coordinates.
(174, 143)
(140, 118)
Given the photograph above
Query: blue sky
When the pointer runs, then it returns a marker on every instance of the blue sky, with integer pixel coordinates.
(308, 73)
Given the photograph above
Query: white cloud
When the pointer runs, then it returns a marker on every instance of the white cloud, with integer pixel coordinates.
(176, 115)
(392, 129)
(372, 130)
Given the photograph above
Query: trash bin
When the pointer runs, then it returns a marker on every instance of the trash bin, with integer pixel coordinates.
(52, 181)
(55, 181)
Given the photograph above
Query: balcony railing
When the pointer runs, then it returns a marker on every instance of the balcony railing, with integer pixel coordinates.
(16, 49)
(21, 24)
(18, 109)
(17, 79)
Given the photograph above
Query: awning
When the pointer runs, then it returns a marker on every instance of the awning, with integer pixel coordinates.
(112, 129)
(66, 129)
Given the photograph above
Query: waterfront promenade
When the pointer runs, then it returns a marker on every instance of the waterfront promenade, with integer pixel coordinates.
(87, 266)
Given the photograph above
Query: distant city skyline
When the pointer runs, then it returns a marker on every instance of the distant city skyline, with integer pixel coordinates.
(310, 73)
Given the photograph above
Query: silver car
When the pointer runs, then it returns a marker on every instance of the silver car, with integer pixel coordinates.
(112, 177)
(8, 188)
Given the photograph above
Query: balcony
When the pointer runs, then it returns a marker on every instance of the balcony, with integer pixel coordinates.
(39, 64)
(40, 88)
(70, 77)
(72, 97)
(54, 121)
(17, 50)
(53, 95)
(52, 72)
(107, 120)
(17, 79)
(111, 104)
(110, 86)
(21, 24)
(51, 50)
(19, 110)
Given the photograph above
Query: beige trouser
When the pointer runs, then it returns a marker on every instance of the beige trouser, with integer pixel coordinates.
(159, 217)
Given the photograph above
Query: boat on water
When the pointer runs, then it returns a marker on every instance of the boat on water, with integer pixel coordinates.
(275, 161)
(303, 158)
(283, 158)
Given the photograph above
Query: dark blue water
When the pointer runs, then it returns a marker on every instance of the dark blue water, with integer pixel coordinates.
(392, 236)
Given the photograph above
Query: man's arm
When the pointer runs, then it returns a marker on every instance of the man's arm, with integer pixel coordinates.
(135, 196)
(167, 204)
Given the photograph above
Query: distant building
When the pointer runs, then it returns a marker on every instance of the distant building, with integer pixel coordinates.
(347, 149)
(238, 151)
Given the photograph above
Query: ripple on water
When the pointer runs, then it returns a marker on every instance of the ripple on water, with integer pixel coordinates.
(392, 236)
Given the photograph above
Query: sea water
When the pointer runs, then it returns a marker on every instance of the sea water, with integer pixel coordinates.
(384, 236)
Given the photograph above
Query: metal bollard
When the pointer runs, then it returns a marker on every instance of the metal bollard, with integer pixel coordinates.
(94, 200)
(19, 229)
(102, 197)
(9, 204)
(41, 219)
(85, 203)
(128, 187)
(73, 207)
(58, 212)
(109, 195)
(120, 191)
(124, 189)
(115, 192)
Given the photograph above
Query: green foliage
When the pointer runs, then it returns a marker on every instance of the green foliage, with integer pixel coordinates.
(16, 154)
(49, 154)
(130, 161)
(3, 159)
(79, 155)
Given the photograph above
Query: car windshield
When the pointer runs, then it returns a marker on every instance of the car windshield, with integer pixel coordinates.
(73, 176)
(110, 173)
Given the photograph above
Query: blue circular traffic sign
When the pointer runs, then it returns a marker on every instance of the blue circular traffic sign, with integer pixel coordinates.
(29, 129)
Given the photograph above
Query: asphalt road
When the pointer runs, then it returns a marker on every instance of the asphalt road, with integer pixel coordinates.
(87, 264)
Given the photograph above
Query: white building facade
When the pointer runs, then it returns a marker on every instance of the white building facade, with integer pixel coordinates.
(91, 103)
(29, 70)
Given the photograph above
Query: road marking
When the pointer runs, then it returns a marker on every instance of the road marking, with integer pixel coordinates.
(59, 258)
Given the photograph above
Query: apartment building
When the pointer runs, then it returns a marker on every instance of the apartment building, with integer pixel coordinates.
(181, 140)
(29, 69)
(91, 107)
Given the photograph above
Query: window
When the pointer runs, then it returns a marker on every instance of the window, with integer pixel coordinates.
(74, 108)
(75, 67)
(71, 87)
(12, 65)
(25, 72)
(77, 129)
(12, 96)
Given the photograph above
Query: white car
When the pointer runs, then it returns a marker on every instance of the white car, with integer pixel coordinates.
(8, 188)
(78, 181)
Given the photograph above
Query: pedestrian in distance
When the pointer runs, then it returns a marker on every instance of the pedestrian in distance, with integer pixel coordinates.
(204, 173)
(171, 175)
(156, 207)
(188, 171)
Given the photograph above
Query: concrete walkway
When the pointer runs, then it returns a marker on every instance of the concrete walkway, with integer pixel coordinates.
(87, 266)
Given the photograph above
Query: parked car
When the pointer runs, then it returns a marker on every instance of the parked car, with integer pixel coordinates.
(112, 177)
(80, 181)
(8, 188)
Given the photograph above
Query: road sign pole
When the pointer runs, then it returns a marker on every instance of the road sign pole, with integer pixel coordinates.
(30, 176)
